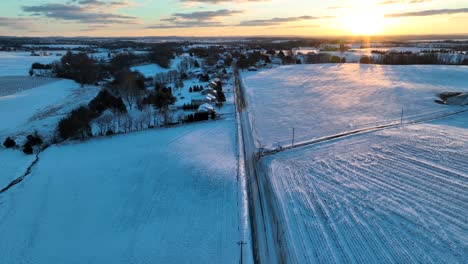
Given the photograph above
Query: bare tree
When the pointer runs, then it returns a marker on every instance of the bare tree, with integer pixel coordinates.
(147, 115)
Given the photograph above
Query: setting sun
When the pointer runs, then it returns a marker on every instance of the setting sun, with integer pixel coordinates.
(364, 19)
(364, 24)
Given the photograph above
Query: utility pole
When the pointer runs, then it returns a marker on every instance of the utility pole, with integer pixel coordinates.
(241, 243)
(293, 137)
(401, 120)
(277, 233)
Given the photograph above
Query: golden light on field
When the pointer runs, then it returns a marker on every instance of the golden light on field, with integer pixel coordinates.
(366, 18)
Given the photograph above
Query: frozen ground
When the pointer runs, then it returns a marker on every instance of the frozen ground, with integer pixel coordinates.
(19, 63)
(150, 70)
(40, 108)
(161, 196)
(13, 163)
(56, 46)
(394, 196)
(322, 100)
(37, 105)
(14, 84)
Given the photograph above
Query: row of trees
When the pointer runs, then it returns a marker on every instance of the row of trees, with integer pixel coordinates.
(160, 97)
(196, 88)
(77, 125)
(78, 67)
(246, 61)
(109, 124)
(409, 58)
(323, 58)
(162, 55)
(129, 85)
(190, 107)
(202, 116)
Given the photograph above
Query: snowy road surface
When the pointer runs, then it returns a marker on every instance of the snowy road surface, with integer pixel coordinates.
(162, 196)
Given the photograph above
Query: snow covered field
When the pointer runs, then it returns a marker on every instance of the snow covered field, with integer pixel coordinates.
(25, 108)
(19, 63)
(14, 84)
(56, 46)
(13, 163)
(150, 70)
(322, 100)
(161, 196)
(40, 108)
(394, 196)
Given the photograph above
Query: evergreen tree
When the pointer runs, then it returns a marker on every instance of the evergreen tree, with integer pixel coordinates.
(9, 143)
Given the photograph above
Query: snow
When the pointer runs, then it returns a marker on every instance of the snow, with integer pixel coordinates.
(13, 163)
(150, 70)
(36, 106)
(393, 196)
(19, 63)
(184, 96)
(42, 107)
(57, 46)
(327, 99)
(14, 84)
(160, 196)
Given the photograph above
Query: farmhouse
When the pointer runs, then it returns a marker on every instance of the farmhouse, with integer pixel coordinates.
(206, 108)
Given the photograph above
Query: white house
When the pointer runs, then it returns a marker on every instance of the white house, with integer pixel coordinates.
(206, 108)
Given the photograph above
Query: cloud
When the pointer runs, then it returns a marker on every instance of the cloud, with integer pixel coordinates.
(433, 12)
(338, 7)
(390, 2)
(79, 13)
(99, 3)
(221, 1)
(206, 15)
(276, 21)
(197, 19)
(211, 19)
(16, 23)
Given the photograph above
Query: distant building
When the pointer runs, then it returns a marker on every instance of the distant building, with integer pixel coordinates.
(206, 108)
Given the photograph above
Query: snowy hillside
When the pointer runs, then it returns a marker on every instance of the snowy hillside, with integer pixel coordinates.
(13, 163)
(161, 196)
(41, 108)
(322, 100)
(19, 63)
(394, 196)
(28, 108)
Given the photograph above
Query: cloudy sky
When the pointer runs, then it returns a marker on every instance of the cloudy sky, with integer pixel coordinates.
(231, 18)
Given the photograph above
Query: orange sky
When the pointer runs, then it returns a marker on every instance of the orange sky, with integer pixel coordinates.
(232, 18)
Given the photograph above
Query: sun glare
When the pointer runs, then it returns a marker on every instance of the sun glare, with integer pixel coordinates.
(363, 20)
